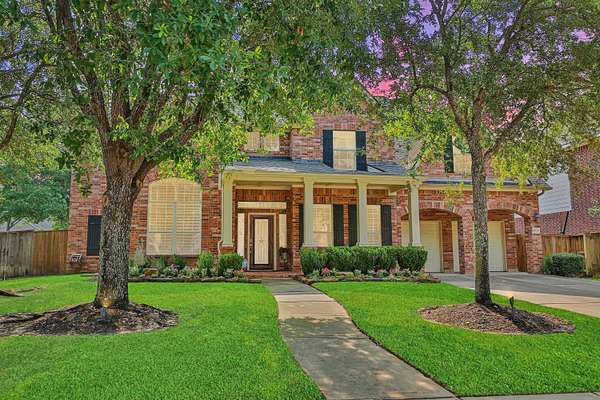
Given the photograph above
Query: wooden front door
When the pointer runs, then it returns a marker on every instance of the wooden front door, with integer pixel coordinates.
(262, 242)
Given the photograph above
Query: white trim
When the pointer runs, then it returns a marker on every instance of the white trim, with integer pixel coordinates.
(455, 249)
(267, 205)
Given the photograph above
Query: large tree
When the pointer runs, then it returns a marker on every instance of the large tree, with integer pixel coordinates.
(181, 81)
(499, 77)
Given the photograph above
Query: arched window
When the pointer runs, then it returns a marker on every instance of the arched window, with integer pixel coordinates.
(174, 217)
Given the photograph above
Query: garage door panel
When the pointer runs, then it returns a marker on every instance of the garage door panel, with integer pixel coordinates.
(430, 239)
(496, 247)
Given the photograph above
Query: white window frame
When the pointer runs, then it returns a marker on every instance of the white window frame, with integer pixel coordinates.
(172, 184)
(338, 150)
(316, 232)
(258, 142)
(374, 225)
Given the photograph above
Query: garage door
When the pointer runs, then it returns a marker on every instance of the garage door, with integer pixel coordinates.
(496, 245)
(430, 239)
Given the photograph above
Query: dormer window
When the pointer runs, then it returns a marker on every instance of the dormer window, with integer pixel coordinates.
(344, 150)
(258, 142)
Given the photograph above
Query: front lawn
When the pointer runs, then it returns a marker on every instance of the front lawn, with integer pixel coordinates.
(468, 362)
(227, 346)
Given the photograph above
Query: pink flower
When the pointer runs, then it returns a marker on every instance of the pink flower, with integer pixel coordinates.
(325, 271)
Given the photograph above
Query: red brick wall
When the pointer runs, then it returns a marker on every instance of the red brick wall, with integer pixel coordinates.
(585, 193)
(81, 206)
(310, 147)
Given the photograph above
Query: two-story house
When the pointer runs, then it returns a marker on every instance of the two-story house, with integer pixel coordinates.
(565, 209)
(334, 187)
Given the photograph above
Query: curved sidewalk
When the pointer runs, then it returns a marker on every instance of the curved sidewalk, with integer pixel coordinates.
(343, 361)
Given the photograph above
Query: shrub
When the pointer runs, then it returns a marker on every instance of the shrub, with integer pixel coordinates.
(179, 262)
(311, 260)
(340, 258)
(205, 260)
(134, 269)
(387, 257)
(563, 264)
(366, 257)
(230, 261)
(412, 258)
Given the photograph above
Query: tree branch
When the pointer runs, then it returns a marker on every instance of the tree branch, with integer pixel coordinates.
(19, 105)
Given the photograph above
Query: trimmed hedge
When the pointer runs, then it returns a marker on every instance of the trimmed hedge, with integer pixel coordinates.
(563, 264)
(231, 261)
(363, 258)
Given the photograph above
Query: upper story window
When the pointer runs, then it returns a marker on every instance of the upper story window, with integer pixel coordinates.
(455, 161)
(258, 142)
(344, 150)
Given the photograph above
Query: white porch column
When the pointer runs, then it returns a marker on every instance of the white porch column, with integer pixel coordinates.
(227, 211)
(363, 219)
(309, 235)
(413, 215)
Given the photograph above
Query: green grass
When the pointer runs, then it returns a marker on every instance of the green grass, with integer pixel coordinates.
(227, 346)
(468, 362)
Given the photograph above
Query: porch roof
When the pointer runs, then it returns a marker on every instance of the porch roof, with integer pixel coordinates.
(286, 164)
(375, 168)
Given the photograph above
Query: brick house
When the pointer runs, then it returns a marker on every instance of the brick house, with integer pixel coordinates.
(335, 187)
(564, 209)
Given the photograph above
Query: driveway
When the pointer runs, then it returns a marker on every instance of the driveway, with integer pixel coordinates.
(573, 294)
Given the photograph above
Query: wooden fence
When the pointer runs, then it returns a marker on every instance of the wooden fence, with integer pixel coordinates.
(586, 245)
(32, 253)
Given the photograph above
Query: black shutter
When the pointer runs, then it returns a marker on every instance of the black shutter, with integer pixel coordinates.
(361, 150)
(449, 156)
(338, 225)
(352, 225)
(301, 224)
(328, 147)
(386, 225)
(93, 235)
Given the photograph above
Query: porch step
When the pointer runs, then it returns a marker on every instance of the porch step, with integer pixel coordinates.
(271, 274)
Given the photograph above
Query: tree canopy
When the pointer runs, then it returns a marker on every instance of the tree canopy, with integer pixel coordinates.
(182, 81)
(504, 81)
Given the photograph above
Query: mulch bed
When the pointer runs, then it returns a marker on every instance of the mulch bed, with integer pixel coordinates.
(84, 319)
(496, 319)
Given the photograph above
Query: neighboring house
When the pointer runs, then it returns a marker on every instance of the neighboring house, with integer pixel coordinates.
(565, 209)
(46, 225)
(335, 187)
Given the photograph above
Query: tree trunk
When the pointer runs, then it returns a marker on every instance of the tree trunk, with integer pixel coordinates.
(480, 211)
(112, 291)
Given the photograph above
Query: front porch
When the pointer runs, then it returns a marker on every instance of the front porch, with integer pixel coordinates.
(268, 218)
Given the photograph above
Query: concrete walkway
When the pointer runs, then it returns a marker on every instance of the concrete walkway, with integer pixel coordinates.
(573, 294)
(343, 362)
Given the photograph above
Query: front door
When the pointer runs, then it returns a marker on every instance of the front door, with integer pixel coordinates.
(262, 254)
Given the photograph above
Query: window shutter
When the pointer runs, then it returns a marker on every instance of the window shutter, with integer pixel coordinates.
(449, 156)
(328, 147)
(352, 225)
(338, 225)
(93, 235)
(361, 150)
(301, 224)
(386, 225)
